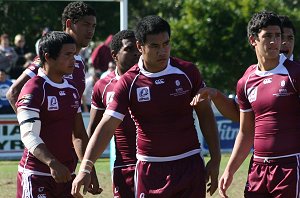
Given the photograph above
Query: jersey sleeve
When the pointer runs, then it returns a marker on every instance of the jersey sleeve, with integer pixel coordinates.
(119, 101)
(31, 96)
(33, 68)
(97, 102)
(241, 96)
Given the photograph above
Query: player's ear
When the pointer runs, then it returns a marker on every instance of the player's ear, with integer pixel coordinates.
(47, 56)
(139, 46)
(114, 55)
(252, 41)
(68, 23)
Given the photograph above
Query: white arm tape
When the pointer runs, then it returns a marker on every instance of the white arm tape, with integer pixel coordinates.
(30, 126)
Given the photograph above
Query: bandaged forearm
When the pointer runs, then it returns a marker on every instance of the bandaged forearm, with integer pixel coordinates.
(30, 126)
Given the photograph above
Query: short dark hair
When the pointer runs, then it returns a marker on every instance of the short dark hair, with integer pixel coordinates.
(261, 20)
(287, 23)
(52, 43)
(116, 43)
(75, 11)
(151, 24)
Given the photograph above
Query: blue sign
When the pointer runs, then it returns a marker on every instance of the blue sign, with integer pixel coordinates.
(228, 131)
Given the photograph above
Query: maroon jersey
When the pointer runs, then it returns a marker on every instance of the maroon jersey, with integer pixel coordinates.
(57, 105)
(125, 134)
(78, 76)
(159, 104)
(273, 96)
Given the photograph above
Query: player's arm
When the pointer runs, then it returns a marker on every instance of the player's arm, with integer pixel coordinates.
(83, 102)
(15, 89)
(242, 146)
(209, 130)
(96, 146)
(30, 127)
(80, 141)
(95, 117)
(226, 106)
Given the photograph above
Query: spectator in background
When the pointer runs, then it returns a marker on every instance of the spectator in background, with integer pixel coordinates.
(8, 54)
(89, 85)
(111, 67)
(29, 57)
(101, 55)
(5, 107)
(21, 49)
(45, 31)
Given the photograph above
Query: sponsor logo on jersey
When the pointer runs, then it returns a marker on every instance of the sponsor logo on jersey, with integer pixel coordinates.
(159, 81)
(282, 83)
(76, 65)
(177, 83)
(42, 196)
(267, 81)
(62, 93)
(109, 97)
(252, 94)
(143, 94)
(26, 99)
(52, 103)
(70, 76)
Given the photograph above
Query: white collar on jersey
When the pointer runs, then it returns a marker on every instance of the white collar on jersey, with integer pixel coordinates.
(149, 74)
(53, 84)
(117, 74)
(277, 69)
(78, 57)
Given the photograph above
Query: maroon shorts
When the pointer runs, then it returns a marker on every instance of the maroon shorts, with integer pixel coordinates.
(123, 181)
(174, 179)
(42, 186)
(273, 178)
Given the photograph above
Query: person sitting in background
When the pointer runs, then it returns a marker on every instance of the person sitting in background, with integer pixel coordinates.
(87, 94)
(5, 107)
(8, 54)
(29, 57)
(111, 67)
(21, 49)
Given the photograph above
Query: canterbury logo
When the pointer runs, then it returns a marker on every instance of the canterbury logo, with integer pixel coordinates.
(267, 81)
(159, 81)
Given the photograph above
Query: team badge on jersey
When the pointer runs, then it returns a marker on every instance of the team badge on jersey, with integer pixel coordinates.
(252, 94)
(143, 94)
(52, 103)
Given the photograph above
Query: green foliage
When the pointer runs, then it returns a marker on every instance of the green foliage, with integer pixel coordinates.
(30, 17)
(210, 33)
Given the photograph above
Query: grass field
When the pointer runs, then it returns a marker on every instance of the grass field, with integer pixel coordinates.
(8, 172)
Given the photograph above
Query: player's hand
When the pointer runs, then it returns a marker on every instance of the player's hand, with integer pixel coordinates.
(59, 172)
(212, 173)
(81, 179)
(94, 186)
(224, 183)
(203, 94)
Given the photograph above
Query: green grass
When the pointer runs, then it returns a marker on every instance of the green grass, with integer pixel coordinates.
(8, 173)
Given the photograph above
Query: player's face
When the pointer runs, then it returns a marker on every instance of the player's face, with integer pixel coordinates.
(127, 56)
(83, 31)
(288, 42)
(268, 43)
(64, 63)
(156, 51)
